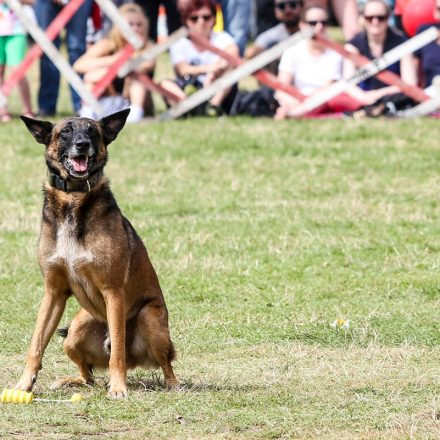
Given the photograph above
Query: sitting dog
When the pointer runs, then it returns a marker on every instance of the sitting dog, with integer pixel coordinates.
(89, 250)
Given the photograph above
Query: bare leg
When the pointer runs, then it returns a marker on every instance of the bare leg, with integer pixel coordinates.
(4, 114)
(25, 96)
(173, 88)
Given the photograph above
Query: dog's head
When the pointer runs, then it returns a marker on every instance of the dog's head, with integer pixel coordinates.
(76, 147)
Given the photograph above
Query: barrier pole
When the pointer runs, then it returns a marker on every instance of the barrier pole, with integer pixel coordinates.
(51, 51)
(231, 78)
(364, 72)
(153, 52)
(36, 51)
(112, 12)
(263, 76)
(151, 85)
(427, 107)
(100, 87)
(385, 76)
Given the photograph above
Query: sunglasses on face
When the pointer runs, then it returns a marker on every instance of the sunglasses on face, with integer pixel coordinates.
(195, 18)
(282, 6)
(315, 22)
(379, 18)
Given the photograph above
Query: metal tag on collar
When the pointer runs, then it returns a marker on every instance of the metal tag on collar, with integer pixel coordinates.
(88, 185)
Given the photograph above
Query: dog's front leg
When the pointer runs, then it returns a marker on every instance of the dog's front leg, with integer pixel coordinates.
(49, 315)
(115, 304)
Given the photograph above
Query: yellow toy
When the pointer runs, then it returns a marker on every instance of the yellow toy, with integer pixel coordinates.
(18, 396)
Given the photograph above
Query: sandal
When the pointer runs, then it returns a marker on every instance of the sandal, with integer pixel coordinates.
(29, 115)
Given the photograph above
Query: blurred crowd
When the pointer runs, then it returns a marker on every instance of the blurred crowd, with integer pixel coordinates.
(368, 27)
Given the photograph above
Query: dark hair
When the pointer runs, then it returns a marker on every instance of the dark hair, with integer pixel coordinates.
(186, 7)
(312, 6)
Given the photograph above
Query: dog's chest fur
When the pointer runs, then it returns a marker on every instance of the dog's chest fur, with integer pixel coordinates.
(69, 250)
(72, 254)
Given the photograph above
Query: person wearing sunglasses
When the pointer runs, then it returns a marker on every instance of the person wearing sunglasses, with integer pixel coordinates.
(196, 67)
(310, 67)
(376, 39)
(288, 13)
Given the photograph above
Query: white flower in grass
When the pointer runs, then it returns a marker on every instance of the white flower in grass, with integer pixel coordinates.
(341, 324)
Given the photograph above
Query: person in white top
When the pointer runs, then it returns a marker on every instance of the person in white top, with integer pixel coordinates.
(310, 67)
(194, 66)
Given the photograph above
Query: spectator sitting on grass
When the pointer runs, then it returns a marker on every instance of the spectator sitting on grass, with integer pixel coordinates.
(95, 63)
(288, 13)
(195, 67)
(309, 66)
(376, 39)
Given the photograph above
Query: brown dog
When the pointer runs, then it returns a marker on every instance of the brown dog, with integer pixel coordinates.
(88, 249)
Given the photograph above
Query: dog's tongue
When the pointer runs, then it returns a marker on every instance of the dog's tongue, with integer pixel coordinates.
(79, 163)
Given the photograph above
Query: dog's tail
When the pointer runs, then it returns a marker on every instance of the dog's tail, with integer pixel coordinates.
(63, 331)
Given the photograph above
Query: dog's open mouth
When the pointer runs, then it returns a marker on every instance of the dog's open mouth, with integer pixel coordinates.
(78, 166)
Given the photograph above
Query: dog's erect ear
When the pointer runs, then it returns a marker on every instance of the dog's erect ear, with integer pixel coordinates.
(112, 124)
(40, 130)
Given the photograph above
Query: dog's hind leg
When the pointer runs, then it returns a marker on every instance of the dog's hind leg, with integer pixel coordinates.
(152, 340)
(84, 344)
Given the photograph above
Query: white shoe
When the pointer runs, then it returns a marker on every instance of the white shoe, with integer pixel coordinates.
(136, 114)
(87, 112)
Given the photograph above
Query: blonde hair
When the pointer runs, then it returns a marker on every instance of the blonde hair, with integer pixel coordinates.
(382, 2)
(115, 34)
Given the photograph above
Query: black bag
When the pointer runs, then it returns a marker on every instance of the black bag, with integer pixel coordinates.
(389, 105)
(259, 102)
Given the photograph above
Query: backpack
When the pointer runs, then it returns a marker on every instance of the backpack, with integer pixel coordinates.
(259, 102)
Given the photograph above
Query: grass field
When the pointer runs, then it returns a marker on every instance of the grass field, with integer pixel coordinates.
(263, 234)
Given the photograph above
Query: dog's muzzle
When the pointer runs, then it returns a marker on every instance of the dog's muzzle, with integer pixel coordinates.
(80, 157)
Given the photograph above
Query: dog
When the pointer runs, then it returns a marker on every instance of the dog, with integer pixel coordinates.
(88, 249)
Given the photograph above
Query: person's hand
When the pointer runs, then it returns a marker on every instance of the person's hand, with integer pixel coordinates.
(281, 113)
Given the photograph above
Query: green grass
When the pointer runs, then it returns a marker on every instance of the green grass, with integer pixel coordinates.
(262, 234)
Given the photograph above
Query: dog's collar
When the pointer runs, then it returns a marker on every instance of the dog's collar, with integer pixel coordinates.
(74, 185)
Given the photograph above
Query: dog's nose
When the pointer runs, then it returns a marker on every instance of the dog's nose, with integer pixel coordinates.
(82, 143)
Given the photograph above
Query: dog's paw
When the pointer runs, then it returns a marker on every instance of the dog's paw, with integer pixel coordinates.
(172, 384)
(118, 392)
(25, 383)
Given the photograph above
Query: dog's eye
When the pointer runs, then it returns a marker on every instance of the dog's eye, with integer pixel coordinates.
(65, 130)
(91, 131)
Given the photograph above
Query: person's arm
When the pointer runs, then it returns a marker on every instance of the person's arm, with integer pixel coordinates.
(216, 68)
(346, 12)
(221, 65)
(184, 68)
(98, 56)
(349, 68)
(147, 66)
(367, 97)
(408, 69)
(284, 99)
(253, 51)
